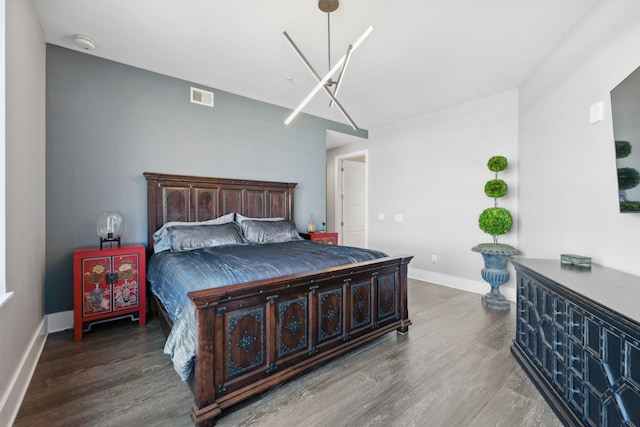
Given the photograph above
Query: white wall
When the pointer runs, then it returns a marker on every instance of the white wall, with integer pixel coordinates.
(432, 170)
(562, 174)
(568, 185)
(22, 317)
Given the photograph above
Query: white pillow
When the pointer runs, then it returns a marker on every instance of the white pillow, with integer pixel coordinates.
(240, 218)
(162, 242)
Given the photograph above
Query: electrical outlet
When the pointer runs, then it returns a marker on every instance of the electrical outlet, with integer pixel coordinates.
(434, 259)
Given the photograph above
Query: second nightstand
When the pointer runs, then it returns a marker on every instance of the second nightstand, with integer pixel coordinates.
(322, 237)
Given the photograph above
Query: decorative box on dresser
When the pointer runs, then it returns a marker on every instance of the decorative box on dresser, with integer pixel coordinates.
(108, 284)
(578, 339)
(322, 237)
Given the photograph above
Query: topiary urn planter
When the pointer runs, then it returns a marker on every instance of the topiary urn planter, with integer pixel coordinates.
(495, 272)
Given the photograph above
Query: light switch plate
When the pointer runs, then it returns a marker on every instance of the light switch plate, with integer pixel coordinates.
(597, 112)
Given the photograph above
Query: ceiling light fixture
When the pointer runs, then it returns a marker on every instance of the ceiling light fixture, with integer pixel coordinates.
(326, 82)
(84, 42)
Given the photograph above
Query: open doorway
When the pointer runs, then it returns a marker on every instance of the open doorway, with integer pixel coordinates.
(351, 199)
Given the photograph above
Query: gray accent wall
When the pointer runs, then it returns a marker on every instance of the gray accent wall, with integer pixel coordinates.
(107, 123)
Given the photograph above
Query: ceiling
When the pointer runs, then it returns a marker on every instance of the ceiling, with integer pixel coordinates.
(424, 55)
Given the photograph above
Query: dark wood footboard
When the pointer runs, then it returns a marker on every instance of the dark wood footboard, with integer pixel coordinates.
(255, 335)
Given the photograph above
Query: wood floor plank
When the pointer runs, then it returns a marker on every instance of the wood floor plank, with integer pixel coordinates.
(453, 368)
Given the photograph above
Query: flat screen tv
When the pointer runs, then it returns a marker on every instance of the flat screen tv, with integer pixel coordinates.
(625, 108)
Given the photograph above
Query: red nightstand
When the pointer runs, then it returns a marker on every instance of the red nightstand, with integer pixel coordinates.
(322, 237)
(108, 284)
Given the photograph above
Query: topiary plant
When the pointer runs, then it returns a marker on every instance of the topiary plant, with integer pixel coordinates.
(628, 178)
(495, 188)
(629, 206)
(496, 221)
(497, 163)
(623, 149)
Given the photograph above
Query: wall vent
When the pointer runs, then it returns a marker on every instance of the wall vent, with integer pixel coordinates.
(202, 97)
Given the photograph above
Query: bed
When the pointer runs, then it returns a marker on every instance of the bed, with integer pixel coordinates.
(256, 333)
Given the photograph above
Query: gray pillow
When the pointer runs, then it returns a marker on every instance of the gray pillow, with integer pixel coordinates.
(269, 231)
(187, 238)
(161, 240)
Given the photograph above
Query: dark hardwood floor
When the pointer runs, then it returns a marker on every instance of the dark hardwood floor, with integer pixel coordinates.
(453, 368)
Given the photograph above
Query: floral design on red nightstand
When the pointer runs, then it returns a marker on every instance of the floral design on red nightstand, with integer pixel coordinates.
(96, 272)
(125, 291)
(97, 293)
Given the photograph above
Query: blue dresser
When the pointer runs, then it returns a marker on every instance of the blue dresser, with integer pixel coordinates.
(578, 339)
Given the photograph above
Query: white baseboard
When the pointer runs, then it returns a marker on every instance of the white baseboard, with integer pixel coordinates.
(11, 401)
(60, 321)
(475, 286)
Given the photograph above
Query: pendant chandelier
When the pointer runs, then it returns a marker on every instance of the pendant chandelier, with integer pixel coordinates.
(327, 82)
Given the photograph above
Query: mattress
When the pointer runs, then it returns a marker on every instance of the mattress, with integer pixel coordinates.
(173, 274)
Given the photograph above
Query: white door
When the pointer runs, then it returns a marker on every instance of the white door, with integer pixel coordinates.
(352, 231)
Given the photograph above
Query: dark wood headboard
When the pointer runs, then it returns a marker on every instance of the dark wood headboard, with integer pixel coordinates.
(195, 198)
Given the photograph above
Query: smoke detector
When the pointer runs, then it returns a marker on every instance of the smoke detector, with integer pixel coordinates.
(85, 42)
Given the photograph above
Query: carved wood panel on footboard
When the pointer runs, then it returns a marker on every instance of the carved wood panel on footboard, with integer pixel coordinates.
(263, 334)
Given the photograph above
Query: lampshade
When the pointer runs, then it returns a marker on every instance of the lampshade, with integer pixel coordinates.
(110, 226)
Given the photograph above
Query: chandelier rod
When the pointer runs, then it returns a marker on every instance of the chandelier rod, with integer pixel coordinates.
(329, 40)
(342, 70)
(325, 79)
(321, 84)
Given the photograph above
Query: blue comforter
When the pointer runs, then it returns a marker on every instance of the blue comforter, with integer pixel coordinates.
(173, 274)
